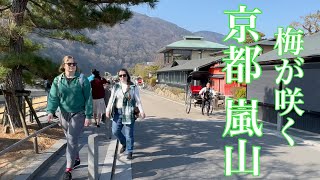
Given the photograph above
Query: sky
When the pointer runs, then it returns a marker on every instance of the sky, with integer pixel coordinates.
(208, 15)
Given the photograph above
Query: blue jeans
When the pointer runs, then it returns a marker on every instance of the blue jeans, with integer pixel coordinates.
(127, 139)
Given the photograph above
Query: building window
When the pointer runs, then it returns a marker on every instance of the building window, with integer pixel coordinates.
(182, 54)
(176, 75)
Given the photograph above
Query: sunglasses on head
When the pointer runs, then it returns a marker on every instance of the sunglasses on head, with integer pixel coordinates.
(122, 75)
(73, 64)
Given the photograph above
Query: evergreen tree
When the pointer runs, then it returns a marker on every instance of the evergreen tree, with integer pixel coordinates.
(249, 39)
(59, 19)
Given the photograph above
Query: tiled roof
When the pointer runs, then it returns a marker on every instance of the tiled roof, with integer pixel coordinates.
(192, 64)
(193, 44)
(311, 47)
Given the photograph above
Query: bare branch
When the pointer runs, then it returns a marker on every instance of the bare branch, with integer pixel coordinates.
(152, 4)
(310, 23)
(31, 17)
(5, 8)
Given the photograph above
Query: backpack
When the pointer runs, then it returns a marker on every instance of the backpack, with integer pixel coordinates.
(207, 94)
(47, 85)
(81, 80)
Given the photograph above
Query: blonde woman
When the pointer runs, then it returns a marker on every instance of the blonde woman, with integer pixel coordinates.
(71, 92)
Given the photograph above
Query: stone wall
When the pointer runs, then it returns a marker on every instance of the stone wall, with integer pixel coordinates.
(168, 92)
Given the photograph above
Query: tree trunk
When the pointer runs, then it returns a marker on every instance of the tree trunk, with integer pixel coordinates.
(14, 82)
(14, 78)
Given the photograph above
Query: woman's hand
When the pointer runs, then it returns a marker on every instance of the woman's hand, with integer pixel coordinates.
(50, 117)
(142, 115)
(87, 122)
(108, 115)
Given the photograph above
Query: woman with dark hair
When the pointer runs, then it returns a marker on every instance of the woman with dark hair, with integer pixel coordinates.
(123, 100)
(99, 106)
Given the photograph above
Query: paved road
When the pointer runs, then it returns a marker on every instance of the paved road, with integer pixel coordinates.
(173, 145)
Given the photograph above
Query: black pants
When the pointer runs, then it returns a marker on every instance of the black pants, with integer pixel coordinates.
(213, 102)
(204, 101)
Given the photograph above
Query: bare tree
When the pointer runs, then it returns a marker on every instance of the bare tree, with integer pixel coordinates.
(310, 23)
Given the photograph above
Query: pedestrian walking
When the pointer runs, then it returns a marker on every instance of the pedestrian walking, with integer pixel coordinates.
(99, 106)
(47, 86)
(91, 77)
(121, 108)
(71, 92)
(107, 94)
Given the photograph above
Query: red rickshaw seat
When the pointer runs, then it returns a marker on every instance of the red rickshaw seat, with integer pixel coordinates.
(195, 89)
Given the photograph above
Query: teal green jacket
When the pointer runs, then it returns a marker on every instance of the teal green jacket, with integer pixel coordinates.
(70, 96)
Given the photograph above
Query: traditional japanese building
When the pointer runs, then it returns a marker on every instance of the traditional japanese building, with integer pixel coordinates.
(218, 77)
(182, 57)
(267, 45)
(190, 48)
(176, 73)
(264, 88)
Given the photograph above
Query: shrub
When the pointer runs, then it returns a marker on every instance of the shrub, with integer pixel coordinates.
(146, 80)
(175, 90)
(239, 92)
(152, 81)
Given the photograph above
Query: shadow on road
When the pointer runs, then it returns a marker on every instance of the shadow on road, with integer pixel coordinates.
(163, 144)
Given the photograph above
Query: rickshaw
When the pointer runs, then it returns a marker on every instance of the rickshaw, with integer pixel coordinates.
(195, 82)
(139, 82)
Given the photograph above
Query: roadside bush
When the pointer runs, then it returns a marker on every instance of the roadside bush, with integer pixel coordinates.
(152, 81)
(175, 90)
(169, 92)
(146, 80)
(239, 92)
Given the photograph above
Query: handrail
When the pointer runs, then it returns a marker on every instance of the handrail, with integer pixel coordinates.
(38, 103)
(27, 138)
(2, 112)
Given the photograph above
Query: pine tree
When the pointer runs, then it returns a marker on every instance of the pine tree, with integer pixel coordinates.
(249, 39)
(58, 19)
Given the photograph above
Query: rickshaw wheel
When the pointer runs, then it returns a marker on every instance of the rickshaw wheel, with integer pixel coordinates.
(188, 103)
(212, 106)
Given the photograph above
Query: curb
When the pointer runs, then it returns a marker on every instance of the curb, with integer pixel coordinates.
(297, 139)
(41, 161)
(123, 170)
(109, 161)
